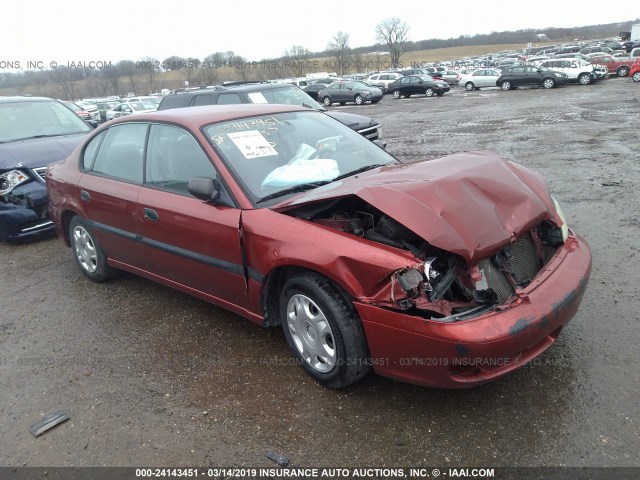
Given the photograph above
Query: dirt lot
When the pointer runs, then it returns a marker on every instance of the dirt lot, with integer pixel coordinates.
(153, 377)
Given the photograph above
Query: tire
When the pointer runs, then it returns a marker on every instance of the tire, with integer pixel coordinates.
(440, 94)
(636, 77)
(505, 86)
(622, 71)
(469, 87)
(358, 100)
(429, 92)
(396, 94)
(323, 330)
(326, 101)
(374, 101)
(584, 79)
(87, 251)
(548, 83)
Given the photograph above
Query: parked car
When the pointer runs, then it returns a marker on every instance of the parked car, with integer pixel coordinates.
(620, 66)
(273, 93)
(125, 109)
(313, 89)
(520, 76)
(34, 132)
(91, 117)
(383, 79)
(452, 77)
(418, 84)
(595, 49)
(149, 100)
(349, 91)
(577, 70)
(484, 77)
(291, 219)
(103, 107)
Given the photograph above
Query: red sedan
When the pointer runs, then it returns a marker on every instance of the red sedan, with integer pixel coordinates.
(448, 273)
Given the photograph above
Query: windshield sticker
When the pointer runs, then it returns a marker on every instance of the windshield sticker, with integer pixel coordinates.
(257, 97)
(252, 144)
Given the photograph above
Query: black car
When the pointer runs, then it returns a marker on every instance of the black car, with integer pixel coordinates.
(520, 76)
(313, 89)
(345, 91)
(418, 84)
(34, 132)
(267, 93)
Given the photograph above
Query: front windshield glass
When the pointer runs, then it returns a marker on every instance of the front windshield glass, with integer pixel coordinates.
(273, 153)
(285, 94)
(28, 119)
(142, 106)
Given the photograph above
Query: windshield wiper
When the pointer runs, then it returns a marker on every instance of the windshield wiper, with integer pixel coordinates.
(41, 136)
(358, 170)
(293, 189)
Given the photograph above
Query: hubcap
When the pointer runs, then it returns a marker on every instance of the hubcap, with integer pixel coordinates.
(311, 333)
(85, 249)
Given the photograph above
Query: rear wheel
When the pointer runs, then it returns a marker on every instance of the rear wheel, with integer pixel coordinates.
(548, 83)
(323, 330)
(429, 92)
(623, 71)
(358, 100)
(326, 101)
(505, 85)
(87, 251)
(584, 79)
(469, 86)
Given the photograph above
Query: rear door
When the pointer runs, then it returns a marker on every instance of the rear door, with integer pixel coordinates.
(113, 164)
(187, 241)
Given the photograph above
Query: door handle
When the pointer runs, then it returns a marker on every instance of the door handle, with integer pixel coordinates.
(150, 214)
(84, 195)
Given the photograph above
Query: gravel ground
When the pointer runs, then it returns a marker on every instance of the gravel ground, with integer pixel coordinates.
(153, 377)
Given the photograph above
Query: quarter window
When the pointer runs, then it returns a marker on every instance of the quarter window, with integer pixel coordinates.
(90, 152)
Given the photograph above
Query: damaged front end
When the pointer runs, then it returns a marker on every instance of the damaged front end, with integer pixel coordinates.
(441, 285)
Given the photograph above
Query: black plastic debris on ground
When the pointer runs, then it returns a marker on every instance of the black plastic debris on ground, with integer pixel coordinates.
(279, 459)
(49, 422)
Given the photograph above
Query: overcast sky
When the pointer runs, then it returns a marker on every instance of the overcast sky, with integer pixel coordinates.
(116, 29)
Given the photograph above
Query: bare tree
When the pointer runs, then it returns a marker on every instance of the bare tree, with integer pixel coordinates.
(394, 33)
(297, 56)
(339, 48)
(128, 69)
(151, 69)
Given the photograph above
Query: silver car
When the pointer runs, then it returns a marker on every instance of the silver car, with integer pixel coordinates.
(483, 77)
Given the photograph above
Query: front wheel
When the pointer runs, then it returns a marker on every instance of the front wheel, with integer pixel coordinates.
(429, 92)
(623, 71)
(396, 94)
(323, 330)
(469, 86)
(358, 100)
(548, 83)
(636, 77)
(326, 101)
(505, 86)
(584, 79)
(87, 251)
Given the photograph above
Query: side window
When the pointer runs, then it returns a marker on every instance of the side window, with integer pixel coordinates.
(121, 151)
(200, 100)
(173, 158)
(405, 80)
(90, 151)
(229, 99)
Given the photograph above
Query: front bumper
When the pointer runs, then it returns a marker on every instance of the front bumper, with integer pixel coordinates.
(475, 351)
(23, 213)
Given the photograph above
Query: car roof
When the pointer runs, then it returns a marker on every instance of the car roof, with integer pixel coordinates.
(195, 117)
(25, 98)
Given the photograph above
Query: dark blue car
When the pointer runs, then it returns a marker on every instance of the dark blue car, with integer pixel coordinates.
(34, 132)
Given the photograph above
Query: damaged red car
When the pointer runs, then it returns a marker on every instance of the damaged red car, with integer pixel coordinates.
(447, 273)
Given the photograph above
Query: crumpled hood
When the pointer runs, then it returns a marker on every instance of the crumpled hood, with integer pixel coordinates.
(38, 152)
(469, 203)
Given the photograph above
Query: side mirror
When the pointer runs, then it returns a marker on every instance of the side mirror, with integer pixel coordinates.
(205, 189)
(380, 143)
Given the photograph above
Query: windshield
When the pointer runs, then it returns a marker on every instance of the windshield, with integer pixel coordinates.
(142, 106)
(273, 153)
(287, 94)
(28, 119)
